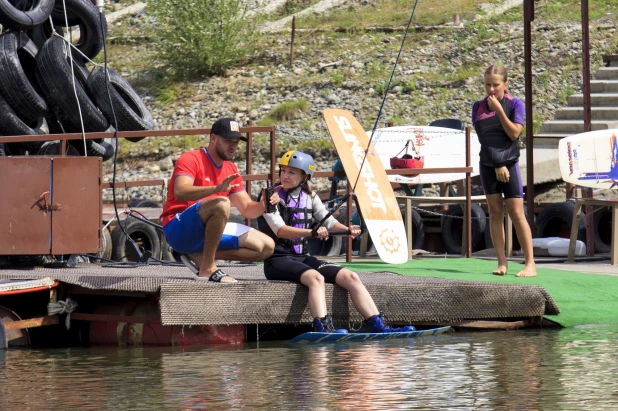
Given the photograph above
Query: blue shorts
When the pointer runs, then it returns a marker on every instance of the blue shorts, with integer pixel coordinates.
(185, 233)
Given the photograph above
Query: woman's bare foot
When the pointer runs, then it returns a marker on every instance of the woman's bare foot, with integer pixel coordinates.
(501, 270)
(528, 271)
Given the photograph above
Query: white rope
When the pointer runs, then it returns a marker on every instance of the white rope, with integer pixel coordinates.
(62, 307)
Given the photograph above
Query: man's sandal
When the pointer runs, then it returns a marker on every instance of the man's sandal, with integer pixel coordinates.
(217, 276)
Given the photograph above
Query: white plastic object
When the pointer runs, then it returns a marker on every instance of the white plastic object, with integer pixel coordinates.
(557, 246)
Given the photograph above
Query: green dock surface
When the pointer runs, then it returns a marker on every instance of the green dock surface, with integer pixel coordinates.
(583, 298)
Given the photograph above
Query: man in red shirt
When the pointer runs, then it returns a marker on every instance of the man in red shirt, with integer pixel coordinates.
(195, 215)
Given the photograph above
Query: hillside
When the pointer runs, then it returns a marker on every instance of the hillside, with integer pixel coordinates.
(439, 74)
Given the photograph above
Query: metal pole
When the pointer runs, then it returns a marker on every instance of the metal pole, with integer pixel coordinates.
(468, 216)
(528, 18)
(273, 157)
(587, 113)
(292, 42)
(348, 251)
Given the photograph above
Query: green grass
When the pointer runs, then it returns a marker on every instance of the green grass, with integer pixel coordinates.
(287, 111)
(582, 298)
(570, 10)
(394, 13)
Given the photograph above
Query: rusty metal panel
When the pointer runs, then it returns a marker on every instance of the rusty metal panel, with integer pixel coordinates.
(25, 225)
(76, 193)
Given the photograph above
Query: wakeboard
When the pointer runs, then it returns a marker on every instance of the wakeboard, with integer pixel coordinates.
(590, 159)
(319, 338)
(374, 193)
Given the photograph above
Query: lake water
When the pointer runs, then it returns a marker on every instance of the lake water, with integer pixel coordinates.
(570, 369)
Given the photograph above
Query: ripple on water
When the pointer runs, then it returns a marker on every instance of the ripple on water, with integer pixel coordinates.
(540, 369)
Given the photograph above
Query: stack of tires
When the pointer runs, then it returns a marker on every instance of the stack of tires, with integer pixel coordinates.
(46, 87)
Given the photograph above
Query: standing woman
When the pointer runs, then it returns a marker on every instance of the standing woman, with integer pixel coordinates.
(498, 120)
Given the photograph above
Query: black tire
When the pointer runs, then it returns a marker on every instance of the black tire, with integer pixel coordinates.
(143, 234)
(334, 245)
(58, 15)
(452, 228)
(56, 79)
(43, 32)
(130, 111)
(106, 247)
(317, 247)
(556, 219)
(52, 148)
(18, 83)
(14, 18)
(109, 144)
(80, 70)
(12, 125)
(418, 230)
(86, 15)
(167, 252)
(93, 149)
(2, 150)
(603, 230)
(148, 203)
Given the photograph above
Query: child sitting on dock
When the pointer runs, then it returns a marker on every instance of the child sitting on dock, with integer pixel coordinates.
(289, 225)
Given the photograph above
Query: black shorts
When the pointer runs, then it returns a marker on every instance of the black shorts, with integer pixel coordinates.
(512, 189)
(291, 267)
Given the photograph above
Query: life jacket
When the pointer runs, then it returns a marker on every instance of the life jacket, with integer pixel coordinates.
(294, 213)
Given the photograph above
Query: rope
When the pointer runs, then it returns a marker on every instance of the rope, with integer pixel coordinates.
(388, 86)
(62, 307)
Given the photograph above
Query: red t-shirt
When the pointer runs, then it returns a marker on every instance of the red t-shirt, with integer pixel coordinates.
(198, 165)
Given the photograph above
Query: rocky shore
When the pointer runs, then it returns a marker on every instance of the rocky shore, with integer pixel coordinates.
(438, 76)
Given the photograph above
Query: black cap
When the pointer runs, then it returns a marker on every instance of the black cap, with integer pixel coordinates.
(227, 128)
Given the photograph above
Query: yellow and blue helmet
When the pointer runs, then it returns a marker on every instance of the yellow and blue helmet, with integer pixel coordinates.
(298, 160)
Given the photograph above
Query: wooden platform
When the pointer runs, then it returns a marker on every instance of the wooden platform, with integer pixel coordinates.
(183, 300)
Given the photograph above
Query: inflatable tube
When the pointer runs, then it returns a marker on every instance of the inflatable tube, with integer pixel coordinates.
(452, 228)
(142, 233)
(556, 219)
(602, 230)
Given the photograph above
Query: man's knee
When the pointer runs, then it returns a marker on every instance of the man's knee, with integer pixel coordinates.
(218, 206)
(268, 247)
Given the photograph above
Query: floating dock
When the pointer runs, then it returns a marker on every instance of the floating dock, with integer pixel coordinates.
(166, 305)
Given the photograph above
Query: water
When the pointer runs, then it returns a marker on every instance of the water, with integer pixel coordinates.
(571, 369)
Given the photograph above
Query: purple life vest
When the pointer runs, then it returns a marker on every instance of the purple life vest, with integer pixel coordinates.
(295, 214)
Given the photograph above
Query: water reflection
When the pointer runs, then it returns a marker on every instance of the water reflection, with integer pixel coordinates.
(568, 369)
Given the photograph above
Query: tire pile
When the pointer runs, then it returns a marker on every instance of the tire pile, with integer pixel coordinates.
(37, 95)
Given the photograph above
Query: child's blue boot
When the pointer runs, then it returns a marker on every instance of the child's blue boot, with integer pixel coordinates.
(325, 325)
(379, 324)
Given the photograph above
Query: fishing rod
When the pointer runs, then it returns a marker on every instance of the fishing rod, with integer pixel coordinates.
(375, 125)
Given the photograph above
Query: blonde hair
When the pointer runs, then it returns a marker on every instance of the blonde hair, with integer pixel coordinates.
(498, 70)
